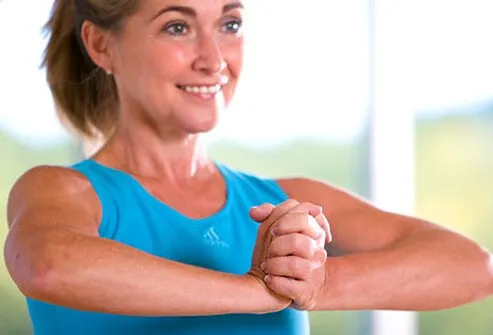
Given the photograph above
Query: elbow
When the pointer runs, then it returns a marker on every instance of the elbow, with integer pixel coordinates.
(489, 275)
(33, 277)
(35, 283)
(39, 283)
(485, 278)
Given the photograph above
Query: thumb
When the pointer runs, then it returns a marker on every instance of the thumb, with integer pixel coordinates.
(260, 213)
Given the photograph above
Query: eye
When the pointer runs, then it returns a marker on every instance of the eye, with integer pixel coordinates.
(232, 26)
(176, 29)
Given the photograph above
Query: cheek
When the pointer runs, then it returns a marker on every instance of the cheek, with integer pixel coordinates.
(164, 63)
(234, 58)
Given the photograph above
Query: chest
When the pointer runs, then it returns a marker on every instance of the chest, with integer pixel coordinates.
(223, 242)
(195, 200)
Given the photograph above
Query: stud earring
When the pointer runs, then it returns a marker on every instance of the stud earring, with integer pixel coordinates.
(108, 72)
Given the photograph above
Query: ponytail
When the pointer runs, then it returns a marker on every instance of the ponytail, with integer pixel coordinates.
(85, 96)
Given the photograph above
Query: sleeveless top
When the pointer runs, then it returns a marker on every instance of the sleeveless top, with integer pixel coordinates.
(222, 242)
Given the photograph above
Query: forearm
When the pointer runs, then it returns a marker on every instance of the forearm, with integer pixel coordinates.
(428, 271)
(92, 274)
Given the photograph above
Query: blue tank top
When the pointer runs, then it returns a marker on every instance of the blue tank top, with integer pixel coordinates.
(222, 242)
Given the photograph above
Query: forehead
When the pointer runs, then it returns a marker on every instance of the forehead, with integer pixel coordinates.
(200, 6)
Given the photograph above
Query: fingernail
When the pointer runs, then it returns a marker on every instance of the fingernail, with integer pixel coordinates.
(263, 266)
(267, 278)
(275, 231)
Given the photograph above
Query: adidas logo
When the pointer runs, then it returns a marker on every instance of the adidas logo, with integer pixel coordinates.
(211, 238)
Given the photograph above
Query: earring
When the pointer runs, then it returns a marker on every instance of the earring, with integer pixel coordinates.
(108, 72)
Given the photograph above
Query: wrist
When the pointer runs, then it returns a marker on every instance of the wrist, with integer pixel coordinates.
(263, 298)
(332, 286)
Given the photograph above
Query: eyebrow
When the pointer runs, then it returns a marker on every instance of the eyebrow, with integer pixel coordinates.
(189, 11)
(232, 6)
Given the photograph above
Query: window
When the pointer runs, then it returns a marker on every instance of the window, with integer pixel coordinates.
(302, 105)
(29, 131)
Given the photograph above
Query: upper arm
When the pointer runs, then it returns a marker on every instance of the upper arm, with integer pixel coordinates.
(47, 207)
(50, 198)
(356, 225)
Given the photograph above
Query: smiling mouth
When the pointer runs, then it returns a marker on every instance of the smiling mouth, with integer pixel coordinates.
(210, 89)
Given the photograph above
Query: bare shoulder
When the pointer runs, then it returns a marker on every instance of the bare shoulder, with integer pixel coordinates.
(330, 197)
(51, 187)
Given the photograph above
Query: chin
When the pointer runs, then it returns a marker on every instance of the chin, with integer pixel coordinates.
(202, 120)
(205, 128)
(200, 126)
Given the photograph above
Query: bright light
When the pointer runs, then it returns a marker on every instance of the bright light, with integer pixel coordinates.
(306, 73)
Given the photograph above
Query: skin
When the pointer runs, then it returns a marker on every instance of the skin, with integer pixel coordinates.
(53, 248)
(386, 261)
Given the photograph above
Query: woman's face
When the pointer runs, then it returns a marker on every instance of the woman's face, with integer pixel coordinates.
(176, 62)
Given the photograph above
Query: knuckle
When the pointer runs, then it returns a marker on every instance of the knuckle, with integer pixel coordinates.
(284, 207)
(292, 264)
(307, 204)
(306, 269)
(298, 241)
(311, 247)
(291, 290)
(319, 231)
(283, 220)
(273, 247)
(320, 259)
(291, 202)
(323, 254)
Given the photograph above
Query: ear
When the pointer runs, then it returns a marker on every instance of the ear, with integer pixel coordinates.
(96, 41)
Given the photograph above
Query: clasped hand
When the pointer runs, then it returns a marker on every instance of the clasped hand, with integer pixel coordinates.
(289, 254)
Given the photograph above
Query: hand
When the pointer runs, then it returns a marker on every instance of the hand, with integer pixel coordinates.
(296, 257)
(264, 239)
(261, 213)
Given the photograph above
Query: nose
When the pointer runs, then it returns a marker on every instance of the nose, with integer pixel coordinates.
(209, 57)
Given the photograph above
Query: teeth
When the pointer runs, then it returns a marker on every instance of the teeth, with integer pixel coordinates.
(202, 89)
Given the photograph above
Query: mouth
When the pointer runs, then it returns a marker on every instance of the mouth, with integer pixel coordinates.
(201, 89)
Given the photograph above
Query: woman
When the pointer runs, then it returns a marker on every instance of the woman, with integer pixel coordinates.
(150, 236)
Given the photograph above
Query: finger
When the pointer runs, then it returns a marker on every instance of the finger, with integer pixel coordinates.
(283, 208)
(260, 213)
(290, 266)
(293, 245)
(308, 208)
(322, 219)
(287, 287)
(317, 213)
(298, 223)
(279, 211)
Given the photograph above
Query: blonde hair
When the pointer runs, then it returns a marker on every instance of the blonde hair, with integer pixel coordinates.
(85, 96)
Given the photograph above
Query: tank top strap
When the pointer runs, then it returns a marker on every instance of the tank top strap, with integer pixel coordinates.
(107, 186)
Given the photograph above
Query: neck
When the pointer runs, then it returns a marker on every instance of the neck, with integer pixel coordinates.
(174, 157)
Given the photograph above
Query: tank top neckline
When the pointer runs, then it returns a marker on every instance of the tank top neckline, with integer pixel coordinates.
(224, 210)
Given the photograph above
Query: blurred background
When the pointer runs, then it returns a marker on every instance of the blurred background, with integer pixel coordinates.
(392, 100)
